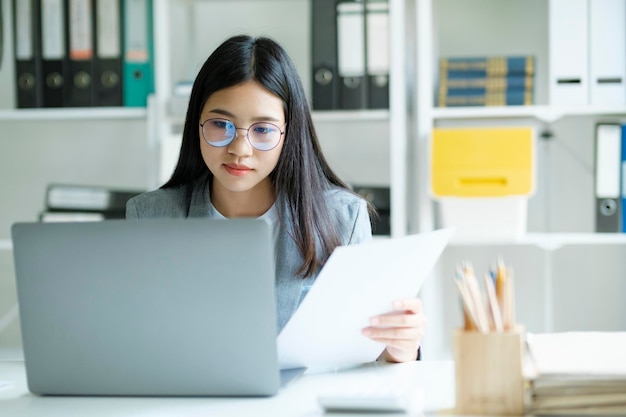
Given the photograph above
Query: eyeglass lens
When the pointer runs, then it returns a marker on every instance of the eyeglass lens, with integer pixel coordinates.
(220, 132)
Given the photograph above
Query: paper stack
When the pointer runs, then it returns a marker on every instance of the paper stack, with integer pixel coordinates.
(578, 373)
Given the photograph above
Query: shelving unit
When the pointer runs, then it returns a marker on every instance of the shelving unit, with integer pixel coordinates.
(461, 28)
(105, 146)
(561, 266)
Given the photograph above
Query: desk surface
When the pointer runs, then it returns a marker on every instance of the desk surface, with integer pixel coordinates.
(433, 382)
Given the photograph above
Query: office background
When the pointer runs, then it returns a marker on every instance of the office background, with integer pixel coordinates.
(560, 286)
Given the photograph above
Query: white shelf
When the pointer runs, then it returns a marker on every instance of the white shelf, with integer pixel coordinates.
(321, 116)
(349, 115)
(6, 244)
(548, 241)
(87, 113)
(545, 113)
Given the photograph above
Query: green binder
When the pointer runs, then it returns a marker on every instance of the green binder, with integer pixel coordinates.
(138, 64)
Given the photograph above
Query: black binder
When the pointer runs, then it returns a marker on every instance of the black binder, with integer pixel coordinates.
(381, 199)
(107, 53)
(53, 52)
(79, 43)
(324, 54)
(26, 39)
(377, 46)
(351, 54)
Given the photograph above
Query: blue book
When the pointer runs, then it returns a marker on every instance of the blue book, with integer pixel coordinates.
(489, 65)
(481, 91)
(495, 83)
(512, 98)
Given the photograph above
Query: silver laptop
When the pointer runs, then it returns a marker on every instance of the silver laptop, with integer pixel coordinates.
(150, 307)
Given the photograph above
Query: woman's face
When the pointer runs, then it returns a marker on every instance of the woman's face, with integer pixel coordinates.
(238, 167)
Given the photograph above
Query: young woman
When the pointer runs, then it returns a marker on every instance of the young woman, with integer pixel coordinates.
(249, 149)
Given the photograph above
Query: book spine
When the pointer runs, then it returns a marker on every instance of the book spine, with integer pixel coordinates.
(490, 83)
(481, 91)
(512, 98)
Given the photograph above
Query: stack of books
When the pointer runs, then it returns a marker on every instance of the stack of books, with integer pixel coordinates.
(73, 203)
(578, 373)
(486, 81)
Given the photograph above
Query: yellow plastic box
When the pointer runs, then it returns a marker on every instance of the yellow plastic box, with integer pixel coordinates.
(482, 178)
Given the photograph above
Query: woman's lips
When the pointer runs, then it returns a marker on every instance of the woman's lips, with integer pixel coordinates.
(237, 170)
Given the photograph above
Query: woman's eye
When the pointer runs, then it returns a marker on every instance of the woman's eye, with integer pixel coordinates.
(263, 129)
(220, 124)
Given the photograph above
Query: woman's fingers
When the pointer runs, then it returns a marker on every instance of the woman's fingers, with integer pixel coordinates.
(401, 330)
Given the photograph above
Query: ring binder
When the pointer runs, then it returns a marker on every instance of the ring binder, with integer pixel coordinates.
(27, 53)
(107, 53)
(79, 38)
(568, 42)
(607, 178)
(53, 52)
(138, 52)
(324, 54)
(607, 52)
(377, 41)
(351, 54)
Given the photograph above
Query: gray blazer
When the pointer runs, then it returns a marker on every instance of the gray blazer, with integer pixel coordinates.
(348, 211)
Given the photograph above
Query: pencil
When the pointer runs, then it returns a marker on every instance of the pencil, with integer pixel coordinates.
(494, 307)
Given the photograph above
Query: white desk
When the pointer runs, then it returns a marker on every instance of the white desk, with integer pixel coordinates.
(433, 382)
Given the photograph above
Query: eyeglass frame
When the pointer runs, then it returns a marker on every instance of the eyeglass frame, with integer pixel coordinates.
(282, 132)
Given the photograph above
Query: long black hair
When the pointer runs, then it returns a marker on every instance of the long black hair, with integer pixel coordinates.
(302, 173)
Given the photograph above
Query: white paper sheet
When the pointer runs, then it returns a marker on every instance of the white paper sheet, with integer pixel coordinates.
(578, 354)
(357, 282)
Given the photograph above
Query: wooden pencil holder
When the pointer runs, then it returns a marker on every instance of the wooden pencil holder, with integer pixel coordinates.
(489, 379)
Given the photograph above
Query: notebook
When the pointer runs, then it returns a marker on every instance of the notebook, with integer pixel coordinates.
(174, 307)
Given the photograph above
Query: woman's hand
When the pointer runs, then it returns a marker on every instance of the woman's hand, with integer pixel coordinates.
(401, 330)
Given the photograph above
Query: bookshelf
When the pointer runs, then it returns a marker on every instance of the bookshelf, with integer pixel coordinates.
(561, 264)
(564, 134)
(91, 145)
(446, 27)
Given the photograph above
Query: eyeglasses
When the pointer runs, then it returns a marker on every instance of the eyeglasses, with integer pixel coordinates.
(262, 136)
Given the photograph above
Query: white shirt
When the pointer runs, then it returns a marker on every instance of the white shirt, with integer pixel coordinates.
(270, 216)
